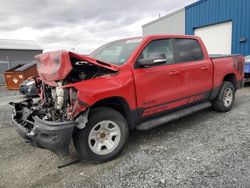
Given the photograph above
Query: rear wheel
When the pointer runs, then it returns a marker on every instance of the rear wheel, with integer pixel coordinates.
(225, 100)
(104, 136)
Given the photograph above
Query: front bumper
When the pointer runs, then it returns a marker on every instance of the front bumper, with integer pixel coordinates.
(54, 136)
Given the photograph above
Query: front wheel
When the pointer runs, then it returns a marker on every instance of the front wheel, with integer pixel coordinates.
(225, 100)
(104, 136)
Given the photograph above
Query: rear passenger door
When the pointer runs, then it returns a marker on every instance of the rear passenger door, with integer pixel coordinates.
(197, 70)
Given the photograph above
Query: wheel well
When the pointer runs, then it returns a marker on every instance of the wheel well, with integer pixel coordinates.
(119, 104)
(231, 78)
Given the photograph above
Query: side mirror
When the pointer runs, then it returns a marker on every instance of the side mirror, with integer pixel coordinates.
(154, 59)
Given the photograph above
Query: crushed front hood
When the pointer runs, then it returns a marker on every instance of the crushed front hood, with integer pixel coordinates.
(53, 66)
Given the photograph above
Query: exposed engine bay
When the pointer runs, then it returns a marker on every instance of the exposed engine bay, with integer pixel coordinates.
(56, 101)
(83, 70)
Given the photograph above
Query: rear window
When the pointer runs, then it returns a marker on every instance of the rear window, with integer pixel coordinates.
(188, 50)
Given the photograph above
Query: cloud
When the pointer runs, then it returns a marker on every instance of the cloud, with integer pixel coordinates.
(79, 24)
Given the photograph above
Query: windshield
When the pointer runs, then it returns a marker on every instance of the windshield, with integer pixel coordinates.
(116, 52)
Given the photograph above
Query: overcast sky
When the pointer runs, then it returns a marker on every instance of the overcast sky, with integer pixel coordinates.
(80, 24)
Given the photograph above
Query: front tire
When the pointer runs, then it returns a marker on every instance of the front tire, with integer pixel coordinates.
(226, 97)
(104, 136)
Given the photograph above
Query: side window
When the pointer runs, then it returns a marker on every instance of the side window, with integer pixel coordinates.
(188, 50)
(159, 46)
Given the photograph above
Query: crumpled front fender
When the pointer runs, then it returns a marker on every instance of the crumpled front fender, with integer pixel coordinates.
(94, 90)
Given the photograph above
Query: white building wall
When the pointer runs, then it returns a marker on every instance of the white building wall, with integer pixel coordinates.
(173, 23)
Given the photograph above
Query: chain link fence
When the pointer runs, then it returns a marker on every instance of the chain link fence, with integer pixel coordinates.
(8, 64)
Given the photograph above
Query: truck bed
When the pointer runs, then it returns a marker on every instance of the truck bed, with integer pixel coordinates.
(226, 64)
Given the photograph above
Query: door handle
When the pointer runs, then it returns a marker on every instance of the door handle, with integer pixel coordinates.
(174, 73)
(205, 67)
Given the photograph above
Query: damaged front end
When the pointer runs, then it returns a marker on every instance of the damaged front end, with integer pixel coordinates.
(49, 122)
(31, 124)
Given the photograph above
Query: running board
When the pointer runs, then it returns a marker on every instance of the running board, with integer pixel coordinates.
(150, 124)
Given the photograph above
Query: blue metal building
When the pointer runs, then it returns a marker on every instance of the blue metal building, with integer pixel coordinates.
(209, 12)
(224, 25)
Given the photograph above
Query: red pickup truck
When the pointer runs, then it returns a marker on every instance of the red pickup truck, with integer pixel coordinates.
(135, 83)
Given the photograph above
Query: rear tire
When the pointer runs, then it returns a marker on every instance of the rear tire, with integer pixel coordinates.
(104, 136)
(225, 99)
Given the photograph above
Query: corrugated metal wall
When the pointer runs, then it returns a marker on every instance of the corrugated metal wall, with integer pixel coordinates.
(208, 12)
(18, 54)
(10, 58)
(167, 24)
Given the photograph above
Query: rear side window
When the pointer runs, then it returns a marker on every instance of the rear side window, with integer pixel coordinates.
(188, 50)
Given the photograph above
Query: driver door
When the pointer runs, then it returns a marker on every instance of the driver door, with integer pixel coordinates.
(159, 87)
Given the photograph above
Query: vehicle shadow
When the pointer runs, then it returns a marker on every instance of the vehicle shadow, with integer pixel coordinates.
(138, 138)
(169, 129)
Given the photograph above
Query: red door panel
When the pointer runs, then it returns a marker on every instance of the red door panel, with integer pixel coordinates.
(198, 77)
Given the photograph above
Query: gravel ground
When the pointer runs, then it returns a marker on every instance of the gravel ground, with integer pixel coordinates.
(206, 149)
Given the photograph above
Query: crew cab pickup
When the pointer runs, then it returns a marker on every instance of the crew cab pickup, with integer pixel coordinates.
(135, 83)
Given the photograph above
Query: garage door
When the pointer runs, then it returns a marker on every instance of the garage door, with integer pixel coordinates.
(217, 38)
